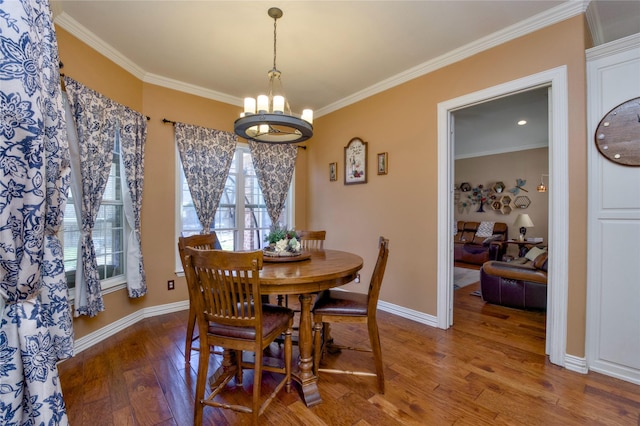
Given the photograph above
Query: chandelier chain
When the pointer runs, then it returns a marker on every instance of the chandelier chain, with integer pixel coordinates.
(275, 24)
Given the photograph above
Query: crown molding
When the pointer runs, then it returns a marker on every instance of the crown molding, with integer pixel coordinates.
(595, 24)
(552, 16)
(82, 33)
(537, 22)
(631, 42)
(191, 89)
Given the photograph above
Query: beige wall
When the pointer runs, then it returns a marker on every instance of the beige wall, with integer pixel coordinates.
(489, 169)
(158, 208)
(401, 205)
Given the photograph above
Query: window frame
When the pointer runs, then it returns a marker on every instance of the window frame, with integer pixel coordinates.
(289, 212)
(118, 282)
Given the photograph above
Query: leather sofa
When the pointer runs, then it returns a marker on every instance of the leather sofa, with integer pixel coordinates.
(521, 283)
(469, 247)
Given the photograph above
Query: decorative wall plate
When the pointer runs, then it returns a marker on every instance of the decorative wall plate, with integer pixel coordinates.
(617, 136)
(355, 162)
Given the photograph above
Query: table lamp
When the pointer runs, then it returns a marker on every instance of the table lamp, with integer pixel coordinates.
(523, 221)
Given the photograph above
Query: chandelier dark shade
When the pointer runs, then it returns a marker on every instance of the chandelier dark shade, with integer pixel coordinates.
(268, 118)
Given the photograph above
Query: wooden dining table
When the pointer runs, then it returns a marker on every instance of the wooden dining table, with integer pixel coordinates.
(324, 269)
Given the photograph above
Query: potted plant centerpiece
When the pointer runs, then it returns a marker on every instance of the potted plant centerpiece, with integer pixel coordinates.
(282, 242)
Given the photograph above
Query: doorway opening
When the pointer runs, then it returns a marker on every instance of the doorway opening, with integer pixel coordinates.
(500, 151)
(556, 80)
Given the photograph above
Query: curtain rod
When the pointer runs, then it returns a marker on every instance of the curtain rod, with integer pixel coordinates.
(61, 65)
(165, 121)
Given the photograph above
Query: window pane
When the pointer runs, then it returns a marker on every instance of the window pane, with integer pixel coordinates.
(113, 190)
(108, 238)
(108, 232)
(240, 222)
(70, 237)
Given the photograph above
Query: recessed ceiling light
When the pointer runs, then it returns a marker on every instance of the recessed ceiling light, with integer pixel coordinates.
(522, 122)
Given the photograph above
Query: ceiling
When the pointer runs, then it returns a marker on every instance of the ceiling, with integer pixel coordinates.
(492, 127)
(331, 53)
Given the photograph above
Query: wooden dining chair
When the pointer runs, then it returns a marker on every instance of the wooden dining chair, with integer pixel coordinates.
(334, 306)
(224, 286)
(201, 241)
(312, 239)
(309, 240)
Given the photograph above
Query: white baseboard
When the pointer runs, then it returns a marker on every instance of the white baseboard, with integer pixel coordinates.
(575, 363)
(622, 372)
(107, 331)
(410, 314)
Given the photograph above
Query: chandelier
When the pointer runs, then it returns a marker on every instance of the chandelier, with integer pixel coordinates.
(269, 119)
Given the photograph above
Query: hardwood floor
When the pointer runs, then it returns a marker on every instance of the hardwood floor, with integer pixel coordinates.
(488, 369)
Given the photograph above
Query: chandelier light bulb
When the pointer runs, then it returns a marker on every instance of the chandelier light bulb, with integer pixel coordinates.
(278, 104)
(263, 104)
(307, 115)
(249, 106)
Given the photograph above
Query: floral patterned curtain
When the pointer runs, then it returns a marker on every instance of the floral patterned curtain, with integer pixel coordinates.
(36, 325)
(95, 123)
(99, 122)
(206, 156)
(274, 165)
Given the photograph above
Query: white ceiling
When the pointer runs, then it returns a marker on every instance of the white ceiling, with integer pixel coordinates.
(492, 127)
(331, 53)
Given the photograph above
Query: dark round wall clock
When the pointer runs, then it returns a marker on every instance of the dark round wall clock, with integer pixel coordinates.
(618, 134)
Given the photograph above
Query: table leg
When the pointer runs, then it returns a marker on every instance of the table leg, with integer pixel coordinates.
(308, 380)
(229, 367)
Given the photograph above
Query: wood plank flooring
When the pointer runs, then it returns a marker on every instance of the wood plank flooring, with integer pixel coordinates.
(488, 369)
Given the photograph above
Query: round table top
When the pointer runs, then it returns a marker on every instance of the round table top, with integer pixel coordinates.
(325, 269)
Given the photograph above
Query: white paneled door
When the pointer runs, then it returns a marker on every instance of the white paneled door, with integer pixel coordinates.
(613, 294)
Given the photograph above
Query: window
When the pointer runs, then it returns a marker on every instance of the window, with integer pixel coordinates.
(108, 233)
(241, 221)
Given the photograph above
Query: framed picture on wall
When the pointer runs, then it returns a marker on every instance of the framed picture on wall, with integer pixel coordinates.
(355, 162)
(333, 172)
(383, 159)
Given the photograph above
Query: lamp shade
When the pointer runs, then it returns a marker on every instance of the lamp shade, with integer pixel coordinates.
(523, 221)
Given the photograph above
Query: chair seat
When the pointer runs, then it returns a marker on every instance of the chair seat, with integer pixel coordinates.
(273, 318)
(345, 303)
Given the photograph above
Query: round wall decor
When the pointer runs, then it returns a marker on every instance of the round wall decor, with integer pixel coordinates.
(617, 136)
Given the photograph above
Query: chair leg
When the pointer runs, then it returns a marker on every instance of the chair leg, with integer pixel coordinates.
(191, 325)
(257, 380)
(237, 360)
(203, 366)
(317, 346)
(288, 349)
(374, 338)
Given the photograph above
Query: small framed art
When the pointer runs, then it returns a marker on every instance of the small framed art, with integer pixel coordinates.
(355, 162)
(383, 163)
(333, 172)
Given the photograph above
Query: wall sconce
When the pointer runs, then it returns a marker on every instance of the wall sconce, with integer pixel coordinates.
(542, 187)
